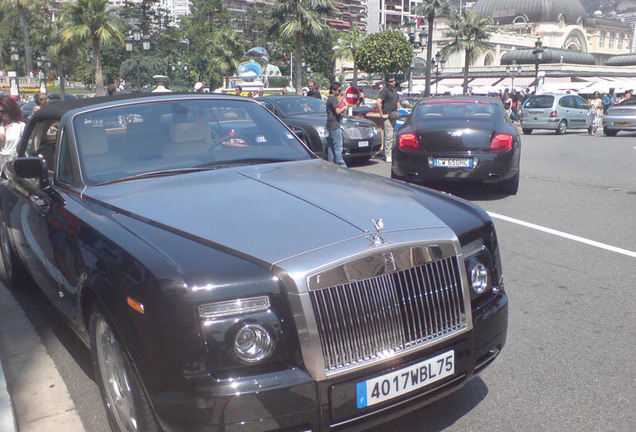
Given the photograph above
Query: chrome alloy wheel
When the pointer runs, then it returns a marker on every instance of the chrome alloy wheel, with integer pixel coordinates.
(114, 376)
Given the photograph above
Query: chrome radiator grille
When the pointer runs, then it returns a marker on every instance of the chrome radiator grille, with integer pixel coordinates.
(359, 132)
(363, 321)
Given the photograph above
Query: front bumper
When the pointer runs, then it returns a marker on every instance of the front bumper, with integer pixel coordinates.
(291, 400)
(488, 167)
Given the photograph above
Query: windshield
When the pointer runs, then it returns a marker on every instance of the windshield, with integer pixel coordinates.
(302, 105)
(171, 137)
(463, 110)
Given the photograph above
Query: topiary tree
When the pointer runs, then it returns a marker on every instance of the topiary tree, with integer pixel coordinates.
(384, 52)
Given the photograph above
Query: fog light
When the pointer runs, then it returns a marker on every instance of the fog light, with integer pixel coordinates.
(479, 278)
(253, 343)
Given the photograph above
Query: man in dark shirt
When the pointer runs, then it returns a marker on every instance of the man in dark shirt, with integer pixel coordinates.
(334, 118)
(313, 90)
(388, 105)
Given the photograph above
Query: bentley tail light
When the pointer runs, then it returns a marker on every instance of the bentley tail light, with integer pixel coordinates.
(553, 114)
(501, 142)
(408, 142)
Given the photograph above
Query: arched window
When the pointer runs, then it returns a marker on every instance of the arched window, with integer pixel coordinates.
(610, 43)
(601, 39)
(561, 20)
(619, 41)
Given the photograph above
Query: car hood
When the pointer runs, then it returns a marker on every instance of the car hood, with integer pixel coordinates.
(270, 212)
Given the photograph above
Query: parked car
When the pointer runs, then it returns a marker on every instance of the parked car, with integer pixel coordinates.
(226, 278)
(361, 138)
(620, 117)
(558, 112)
(458, 139)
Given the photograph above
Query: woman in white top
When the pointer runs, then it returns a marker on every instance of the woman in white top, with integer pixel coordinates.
(11, 129)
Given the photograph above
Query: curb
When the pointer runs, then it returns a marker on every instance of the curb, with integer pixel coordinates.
(37, 397)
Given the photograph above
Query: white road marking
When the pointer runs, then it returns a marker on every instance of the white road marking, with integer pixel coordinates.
(565, 235)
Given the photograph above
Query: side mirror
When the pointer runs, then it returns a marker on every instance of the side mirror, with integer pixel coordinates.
(32, 167)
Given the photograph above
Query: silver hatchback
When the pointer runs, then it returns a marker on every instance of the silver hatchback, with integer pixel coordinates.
(620, 117)
(558, 112)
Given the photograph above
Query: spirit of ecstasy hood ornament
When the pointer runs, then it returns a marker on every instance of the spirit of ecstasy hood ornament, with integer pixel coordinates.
(377, 237)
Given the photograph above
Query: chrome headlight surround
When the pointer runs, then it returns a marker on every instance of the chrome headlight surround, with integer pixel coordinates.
(479, 269)
(253, 343)
(479, 279)
(323, 132)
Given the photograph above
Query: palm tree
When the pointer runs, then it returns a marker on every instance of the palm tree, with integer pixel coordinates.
(23, 7)
(347, 47)
(225, 53)
(431, 9)
(91, 20)
(470, 34)
(299, 18)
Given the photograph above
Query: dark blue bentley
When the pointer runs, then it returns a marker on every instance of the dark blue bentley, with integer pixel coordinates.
(225, 278)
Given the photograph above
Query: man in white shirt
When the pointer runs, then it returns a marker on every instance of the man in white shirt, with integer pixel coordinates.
(161, 84)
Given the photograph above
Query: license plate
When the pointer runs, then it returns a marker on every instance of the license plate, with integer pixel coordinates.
(363, 144)
(453, 163)
(621, 123)
(400, 382)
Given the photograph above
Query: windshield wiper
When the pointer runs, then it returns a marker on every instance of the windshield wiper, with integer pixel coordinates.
(246, 161)
(159, 173)
(205, 167)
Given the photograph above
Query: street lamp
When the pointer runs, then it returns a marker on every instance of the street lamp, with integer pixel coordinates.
(537, 53)
(438, 62)
(13, 75)
(512, 70)
(44, 64)
(15, 54)
(418, 43)
(137, 39)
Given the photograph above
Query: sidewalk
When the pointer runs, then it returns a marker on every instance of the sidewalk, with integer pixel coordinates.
(37, 399)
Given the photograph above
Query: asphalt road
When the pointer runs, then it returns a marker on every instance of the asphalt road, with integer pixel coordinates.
(568, 247)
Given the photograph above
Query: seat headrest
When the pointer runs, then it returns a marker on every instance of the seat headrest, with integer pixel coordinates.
(190, 131)
(93, 141)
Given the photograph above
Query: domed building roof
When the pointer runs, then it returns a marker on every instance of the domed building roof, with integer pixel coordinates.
(534, 11)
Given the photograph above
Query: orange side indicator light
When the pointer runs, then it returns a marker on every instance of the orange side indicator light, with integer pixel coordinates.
(136, 305)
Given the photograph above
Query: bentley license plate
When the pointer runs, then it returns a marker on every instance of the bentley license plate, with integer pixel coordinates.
(394, 384)
(621, 123)
(453, 163)
(363, 144)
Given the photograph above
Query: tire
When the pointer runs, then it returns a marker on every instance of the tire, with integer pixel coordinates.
(127, 406)
(509, 186)
(12, 272)
(610, 132)
(527, 131)
(562, 127)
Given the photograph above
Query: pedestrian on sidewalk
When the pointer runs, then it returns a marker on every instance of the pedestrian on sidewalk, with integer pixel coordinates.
(334, 120)
(388, 106)
(11, 129)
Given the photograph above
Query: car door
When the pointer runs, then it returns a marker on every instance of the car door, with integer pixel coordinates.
(48, 228)
(581, 110)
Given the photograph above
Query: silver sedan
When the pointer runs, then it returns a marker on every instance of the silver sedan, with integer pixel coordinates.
(620, 117)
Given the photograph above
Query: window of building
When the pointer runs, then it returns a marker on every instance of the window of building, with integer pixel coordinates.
(601, 39)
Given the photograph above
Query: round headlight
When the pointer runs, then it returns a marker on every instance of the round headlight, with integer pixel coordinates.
(253, 343)
(479, 278)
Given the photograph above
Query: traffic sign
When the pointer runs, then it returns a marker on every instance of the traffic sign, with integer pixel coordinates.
(352, 95)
